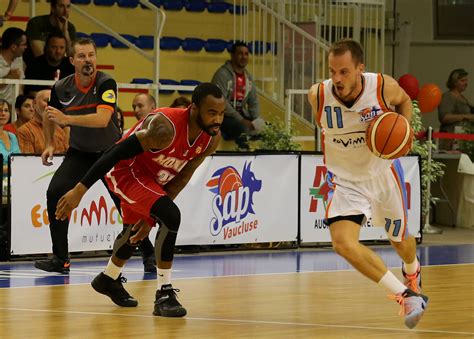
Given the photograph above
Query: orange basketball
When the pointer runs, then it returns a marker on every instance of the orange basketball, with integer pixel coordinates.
(389, 136)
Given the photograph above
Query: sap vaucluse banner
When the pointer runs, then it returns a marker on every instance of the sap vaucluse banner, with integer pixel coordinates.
(241, 199)
(94, 224)
(230, 199)
(313, 191)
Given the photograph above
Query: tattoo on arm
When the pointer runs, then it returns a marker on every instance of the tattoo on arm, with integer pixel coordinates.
(158, 135)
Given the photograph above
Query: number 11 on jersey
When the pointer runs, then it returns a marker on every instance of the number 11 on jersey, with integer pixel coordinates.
(329, 114)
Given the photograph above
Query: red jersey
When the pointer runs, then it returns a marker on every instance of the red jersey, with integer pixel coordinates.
(163, 165)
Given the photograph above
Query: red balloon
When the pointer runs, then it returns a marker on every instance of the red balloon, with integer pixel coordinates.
(410, 84)
(429, 98)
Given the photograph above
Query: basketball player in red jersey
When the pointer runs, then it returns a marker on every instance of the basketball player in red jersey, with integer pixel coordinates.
(364, 186)
(147, 169)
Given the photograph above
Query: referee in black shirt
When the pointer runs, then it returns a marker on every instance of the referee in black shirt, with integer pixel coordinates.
(85, 101)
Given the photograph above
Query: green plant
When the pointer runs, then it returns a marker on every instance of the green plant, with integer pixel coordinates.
(274, 137)
(467, 146)
(430, 172)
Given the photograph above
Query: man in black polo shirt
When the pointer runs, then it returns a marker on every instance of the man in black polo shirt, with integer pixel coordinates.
(52, 65)
(85, 101)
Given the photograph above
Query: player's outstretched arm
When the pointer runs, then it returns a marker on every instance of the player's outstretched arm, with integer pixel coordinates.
(396, 96)
(157, 135)
(179, 182)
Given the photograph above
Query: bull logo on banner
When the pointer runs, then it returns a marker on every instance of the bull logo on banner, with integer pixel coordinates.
(233, 200)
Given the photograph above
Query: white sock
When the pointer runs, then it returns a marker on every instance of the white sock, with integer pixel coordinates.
(411, 268)
(391, 283)
(112, 270)
(164, 277)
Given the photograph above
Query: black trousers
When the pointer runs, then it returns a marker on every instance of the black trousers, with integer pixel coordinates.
(76, 163)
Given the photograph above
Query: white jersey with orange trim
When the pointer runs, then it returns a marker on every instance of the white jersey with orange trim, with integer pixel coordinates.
(343, 129)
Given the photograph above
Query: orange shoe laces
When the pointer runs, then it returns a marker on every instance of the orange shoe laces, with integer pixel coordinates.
(400, 300)
(413, 282)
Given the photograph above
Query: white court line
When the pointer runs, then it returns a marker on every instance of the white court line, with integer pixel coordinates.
(217, 277)
(244, 321)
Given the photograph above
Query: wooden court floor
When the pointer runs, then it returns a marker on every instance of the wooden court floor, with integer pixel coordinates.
(338, 304)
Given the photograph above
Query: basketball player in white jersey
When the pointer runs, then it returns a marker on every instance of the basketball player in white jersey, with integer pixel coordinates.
(363, 186)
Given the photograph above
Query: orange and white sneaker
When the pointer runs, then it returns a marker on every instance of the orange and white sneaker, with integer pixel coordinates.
(412, 281)
(412, 306)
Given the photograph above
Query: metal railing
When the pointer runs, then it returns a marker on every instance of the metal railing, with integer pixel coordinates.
(155, 88)
(290, 40)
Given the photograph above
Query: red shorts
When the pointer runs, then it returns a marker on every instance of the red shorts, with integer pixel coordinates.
(138, 191)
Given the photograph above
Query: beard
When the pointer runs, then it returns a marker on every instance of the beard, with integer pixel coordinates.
(88, 69)
(208, 128)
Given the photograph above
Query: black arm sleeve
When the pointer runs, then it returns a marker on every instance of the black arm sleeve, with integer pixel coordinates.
(125, 149)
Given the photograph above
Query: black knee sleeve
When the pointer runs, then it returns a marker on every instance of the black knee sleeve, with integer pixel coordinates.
(167, 214)
(123, 249)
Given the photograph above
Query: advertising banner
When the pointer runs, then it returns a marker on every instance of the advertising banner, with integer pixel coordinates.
(229, 200)
(93, 226)
(241, 199)
(314, 192)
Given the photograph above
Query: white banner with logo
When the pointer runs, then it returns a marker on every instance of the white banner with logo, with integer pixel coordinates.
(229, 200)
(241, 199)
(314, 190)
(94, 224)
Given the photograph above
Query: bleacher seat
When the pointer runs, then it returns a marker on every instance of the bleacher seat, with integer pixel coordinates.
(173, 5)
(195, 5)
(145, 42)
(269, 47)
(104, 2)
(168, 82)
(143, 81)
(157, 3)
(218, 7)
(101, 39)
(128, 3)
(118, 44)
(257, 47)
(192, 44)
(80, 35)
(170, 43)
(81, 2)
(215, 45)
(238, 9)
(188, 82)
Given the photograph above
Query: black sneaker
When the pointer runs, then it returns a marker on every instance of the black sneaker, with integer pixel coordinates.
(114, 290)
(54, 265)
(167, 304)
(149, 264)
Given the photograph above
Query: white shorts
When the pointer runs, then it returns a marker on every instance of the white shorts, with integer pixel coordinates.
(383, 199)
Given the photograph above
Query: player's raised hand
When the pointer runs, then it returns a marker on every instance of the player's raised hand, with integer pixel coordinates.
(70, 201)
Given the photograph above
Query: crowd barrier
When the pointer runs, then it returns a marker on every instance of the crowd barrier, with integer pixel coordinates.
(231, 199)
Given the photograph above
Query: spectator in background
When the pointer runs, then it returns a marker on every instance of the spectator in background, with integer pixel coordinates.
(181, 102)
(8, 12)
(30, 135)
(143, 104)
(11, 60)
(242, 116)
(454, 108)
(52, 65)
(40, 27)
(8, 141)
(24, 113)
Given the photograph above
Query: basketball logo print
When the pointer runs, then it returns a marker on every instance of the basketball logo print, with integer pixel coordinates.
(233, 199)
